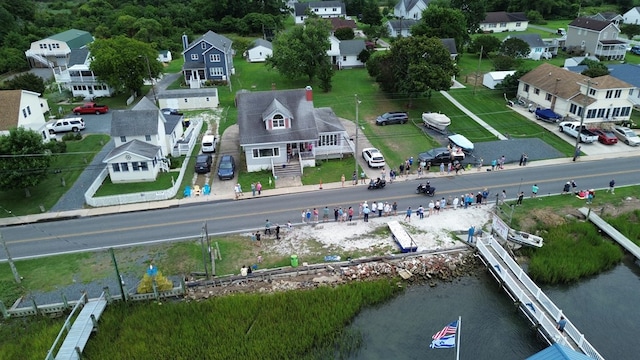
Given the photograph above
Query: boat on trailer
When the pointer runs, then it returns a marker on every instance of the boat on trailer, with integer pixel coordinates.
(523, 238)
(436, 120)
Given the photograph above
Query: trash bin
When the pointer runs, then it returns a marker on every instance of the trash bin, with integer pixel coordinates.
(294, 260)
(186, 122)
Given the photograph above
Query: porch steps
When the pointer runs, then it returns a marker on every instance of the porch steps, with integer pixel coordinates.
(291, 170)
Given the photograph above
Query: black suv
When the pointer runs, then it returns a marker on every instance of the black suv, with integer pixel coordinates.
(203, 163)
(394, 117)
(440, 155)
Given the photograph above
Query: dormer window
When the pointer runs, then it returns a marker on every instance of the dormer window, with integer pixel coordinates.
(278, 121)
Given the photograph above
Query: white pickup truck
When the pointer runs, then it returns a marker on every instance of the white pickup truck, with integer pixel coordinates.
(65, 125)
(574, 129)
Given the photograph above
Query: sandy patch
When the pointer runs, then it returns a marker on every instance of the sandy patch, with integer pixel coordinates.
(430, 233)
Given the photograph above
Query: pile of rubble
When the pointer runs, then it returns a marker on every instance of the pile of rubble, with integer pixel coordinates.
(425, 268)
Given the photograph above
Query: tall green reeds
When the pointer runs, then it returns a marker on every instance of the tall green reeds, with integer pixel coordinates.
(627, 224)
(572, 251)
(287, 325)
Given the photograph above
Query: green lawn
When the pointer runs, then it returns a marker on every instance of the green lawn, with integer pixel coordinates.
(163, 182)
(64, 167)
(329, 171)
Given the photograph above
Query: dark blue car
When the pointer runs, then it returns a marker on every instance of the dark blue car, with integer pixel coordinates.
(227, 168)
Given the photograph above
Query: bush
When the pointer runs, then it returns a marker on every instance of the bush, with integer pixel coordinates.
(72, 136)
(162, 283)
(56, 147)
(175, 162)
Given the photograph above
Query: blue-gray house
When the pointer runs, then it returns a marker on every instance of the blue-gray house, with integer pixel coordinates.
(210, 57)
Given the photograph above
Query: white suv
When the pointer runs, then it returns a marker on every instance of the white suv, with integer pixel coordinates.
(373, 157)
(64, 125)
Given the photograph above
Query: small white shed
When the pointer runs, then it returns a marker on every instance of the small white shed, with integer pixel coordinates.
(259, 51)
(189, 99)
(493, 78)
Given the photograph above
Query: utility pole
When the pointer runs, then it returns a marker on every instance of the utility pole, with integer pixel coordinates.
(153, 84)
(204, 253)
(14, 270)
(475, 85)
(119, 278)
(355, 148)
(582, 115)
(212, 253)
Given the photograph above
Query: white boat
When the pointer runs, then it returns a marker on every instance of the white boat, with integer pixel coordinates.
(523, 238)
(436, 120)
(462, 142)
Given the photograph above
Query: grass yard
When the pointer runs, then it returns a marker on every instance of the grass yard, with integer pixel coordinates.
(163, 182)
(67, 167)
(329, 171)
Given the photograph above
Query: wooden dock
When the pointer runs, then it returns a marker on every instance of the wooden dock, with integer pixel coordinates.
(402, 238)
(540, 310)
(611, 231)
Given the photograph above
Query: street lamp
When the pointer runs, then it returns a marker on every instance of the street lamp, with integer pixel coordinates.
(155, 98)
(355, 148)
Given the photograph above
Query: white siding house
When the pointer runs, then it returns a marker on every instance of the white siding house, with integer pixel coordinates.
(493, 78)
(410, 9)
(26, 109)
(501, 21)
(135, 161)
(189, 99)
(259, 51)
(323, 9)
(632, 16)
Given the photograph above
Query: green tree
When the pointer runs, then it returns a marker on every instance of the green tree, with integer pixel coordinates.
(301, 51)
(515, 48)
(371, 13)
(23, 162)
(420, 65)
(631, 30)
(344, 33)
(124, 63)
(509, 84)
(325, 73)
(27, 81)
(486, 43)
(594, 68)
(12, 60)
(474, 12)
(442, 23)
(504, 63)
(379, 68)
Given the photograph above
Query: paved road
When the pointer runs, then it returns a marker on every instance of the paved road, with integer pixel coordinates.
(184, 222)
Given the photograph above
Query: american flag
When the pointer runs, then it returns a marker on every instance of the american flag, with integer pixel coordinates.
(448, 330)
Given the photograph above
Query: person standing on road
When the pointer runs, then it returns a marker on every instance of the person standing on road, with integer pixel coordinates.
(315, 215)
(253, 189)
(567, 188)
(363, 177)
(612, 185)
(521, 159)
(366, 211)
(485, 195)
(325, 214)
(501, 162)
(304, 216)
(504, 196)
(267, 227)
(308, 216)
(277, 232)
(259, 188)
(525, 159)
(534, 190)
(350, 213)
(441, 168)
(342, 179)
(520, 197)
(394, 207)
(420, 212)
(472, 230)
(354, 178)
(408, 216)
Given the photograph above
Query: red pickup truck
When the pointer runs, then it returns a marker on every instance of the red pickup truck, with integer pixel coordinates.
(91, 108)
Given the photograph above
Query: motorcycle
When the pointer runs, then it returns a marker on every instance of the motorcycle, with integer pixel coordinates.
(426, 189)
(379, 184)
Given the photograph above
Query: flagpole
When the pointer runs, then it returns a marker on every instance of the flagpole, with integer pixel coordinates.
(458, 346)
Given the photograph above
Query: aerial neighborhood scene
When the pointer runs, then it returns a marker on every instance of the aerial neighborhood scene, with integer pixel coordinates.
(346, 179)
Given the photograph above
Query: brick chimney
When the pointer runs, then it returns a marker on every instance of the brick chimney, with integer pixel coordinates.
(309, 93)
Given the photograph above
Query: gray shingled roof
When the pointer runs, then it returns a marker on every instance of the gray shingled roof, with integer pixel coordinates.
(589, 24)
(134, 122)
(274, 108)
(187, 93)
(170, 122)
(299, 8)
(404, 24)
(251, 105)
(351, 47)
(534, 40)
(136, 147)
(145, 104)
(503, 16)
(261, 42)
(220, 42)
(78, 57)
(327, 120)
(409, 4)
(450, 44)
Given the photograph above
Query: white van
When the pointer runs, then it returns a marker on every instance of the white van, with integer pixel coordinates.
(208, 144)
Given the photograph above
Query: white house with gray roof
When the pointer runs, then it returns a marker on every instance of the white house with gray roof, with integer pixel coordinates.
(538, 48)
(349, 51)
(401, 27)
(282, 129)
(410, 9)
(323, 9)
(135, 161)
(189, 99)
(259, 51)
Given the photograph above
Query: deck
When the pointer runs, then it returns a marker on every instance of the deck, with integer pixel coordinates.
(402, 238)
(540, 310)
(612, 232)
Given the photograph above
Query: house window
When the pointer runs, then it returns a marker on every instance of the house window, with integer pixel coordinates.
(625, 111)
(124, 167)
(617, 94)
(147, 137)
(344, 58)
(328, 140)
(144, 166)
(186, 100)
(548, 97)
(29, 110)
(140, 166)
(214, 57)
(115, 167)
(194, 56)
(206, 99)
(592, 92)
(123, 139)
(216, 71)
(270, 152)
(573, 108)
(609, 94)
(503, 24)
(536, 91)
(277, 122)
(616, 112)
(518, 24)
(526, 87)
(580, 111)
(591, 113)
(600, 112)
(24, 113)
(203, 45)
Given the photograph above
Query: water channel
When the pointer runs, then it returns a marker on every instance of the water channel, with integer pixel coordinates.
(603, 307)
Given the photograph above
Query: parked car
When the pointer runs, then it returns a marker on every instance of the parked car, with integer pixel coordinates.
(605, 136)
(203, 163)
(66, 124)
(635, 49)
(438, 156)
(394, 117)
(373, 157)
(626, 135)
(226, 168)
